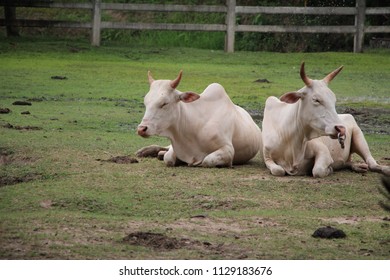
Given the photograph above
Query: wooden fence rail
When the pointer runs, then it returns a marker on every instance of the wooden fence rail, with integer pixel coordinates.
(231, 10)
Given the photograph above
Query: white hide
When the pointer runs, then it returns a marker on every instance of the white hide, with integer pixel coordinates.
(205, 130)
(301, 130)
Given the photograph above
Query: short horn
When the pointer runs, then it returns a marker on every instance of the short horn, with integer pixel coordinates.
(151, 80)
(333, 74)
(176, 81)
(304, 78)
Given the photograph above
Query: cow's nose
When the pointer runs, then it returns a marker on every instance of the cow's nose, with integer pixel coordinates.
(340, 129)
(142, 130)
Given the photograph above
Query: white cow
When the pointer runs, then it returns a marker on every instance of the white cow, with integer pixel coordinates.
(296, 130)
(205, 130)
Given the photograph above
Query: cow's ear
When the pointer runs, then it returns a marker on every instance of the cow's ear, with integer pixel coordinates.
(291, 97)
(188, 97)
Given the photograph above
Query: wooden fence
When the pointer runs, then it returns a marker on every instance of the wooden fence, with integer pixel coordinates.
(231, 10)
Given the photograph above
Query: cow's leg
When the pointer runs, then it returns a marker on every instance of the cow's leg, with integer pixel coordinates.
(151, 151)
(359, 145)
(170, 158)
(322, 158)
(222, 157)
(275, 169)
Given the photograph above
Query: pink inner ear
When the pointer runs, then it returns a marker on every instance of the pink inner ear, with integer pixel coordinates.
(290, 97)
(188, 97)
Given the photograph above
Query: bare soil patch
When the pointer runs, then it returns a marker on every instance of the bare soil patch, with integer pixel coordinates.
(162, 242)
(354, 220)
(5, 111)
(7, 157)
(18, 127)
(120, 160)
(157, 241)
(13, 180)
(22, 103)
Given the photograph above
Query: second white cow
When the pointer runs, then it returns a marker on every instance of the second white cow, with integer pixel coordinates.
(204, 129)
(303, 134)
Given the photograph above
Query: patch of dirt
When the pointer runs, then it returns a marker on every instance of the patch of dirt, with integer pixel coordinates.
(353, 220)
(5, 111)
(120, 160)
(24, 128)
(59, 78)
(204, 226)
(261, 81)
(13, 180)
(162, 242)
(370, 120)
(7, 157)
(157, 241)
(207, 225)
(22, 103)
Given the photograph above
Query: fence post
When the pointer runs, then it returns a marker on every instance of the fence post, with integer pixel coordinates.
(359, 26)
(10, 16)
(230, 25)
(96, 22)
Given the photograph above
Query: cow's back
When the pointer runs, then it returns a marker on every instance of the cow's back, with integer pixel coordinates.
(246, 135)
(220, 121)
(247, 139)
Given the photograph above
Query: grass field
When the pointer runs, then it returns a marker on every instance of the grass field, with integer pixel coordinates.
(61, 199)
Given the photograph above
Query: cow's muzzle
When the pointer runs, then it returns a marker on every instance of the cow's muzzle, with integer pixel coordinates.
(142, 130)
(340, 135)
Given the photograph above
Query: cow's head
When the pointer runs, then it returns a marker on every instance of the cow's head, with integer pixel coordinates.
(318, 106)
(161, 104)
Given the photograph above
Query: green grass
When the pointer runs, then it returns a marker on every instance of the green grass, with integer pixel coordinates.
(73, 205)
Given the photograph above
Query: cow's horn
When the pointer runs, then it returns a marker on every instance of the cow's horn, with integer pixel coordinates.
(304, 78)
(151, 80)
(176, 81)
(333, 74)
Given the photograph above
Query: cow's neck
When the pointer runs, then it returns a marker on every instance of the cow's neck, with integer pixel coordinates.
(296, 133)
(182, 130)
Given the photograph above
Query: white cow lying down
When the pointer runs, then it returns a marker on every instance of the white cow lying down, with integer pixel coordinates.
(296, 130)
(205, 130)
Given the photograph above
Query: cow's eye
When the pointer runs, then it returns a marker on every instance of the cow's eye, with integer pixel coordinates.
(163, 105)
(316, 101)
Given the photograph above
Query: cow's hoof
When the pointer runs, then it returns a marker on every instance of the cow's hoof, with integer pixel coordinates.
(360, 167)
(278, 171)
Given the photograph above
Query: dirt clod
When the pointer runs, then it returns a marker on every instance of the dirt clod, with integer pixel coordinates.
(329, 232)
(120, 160)
(5, 111)
(18, 127)
(59, 78)
(261, 81)
(22, 103)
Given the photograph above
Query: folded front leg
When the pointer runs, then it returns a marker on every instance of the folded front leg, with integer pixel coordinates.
(222, 157)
